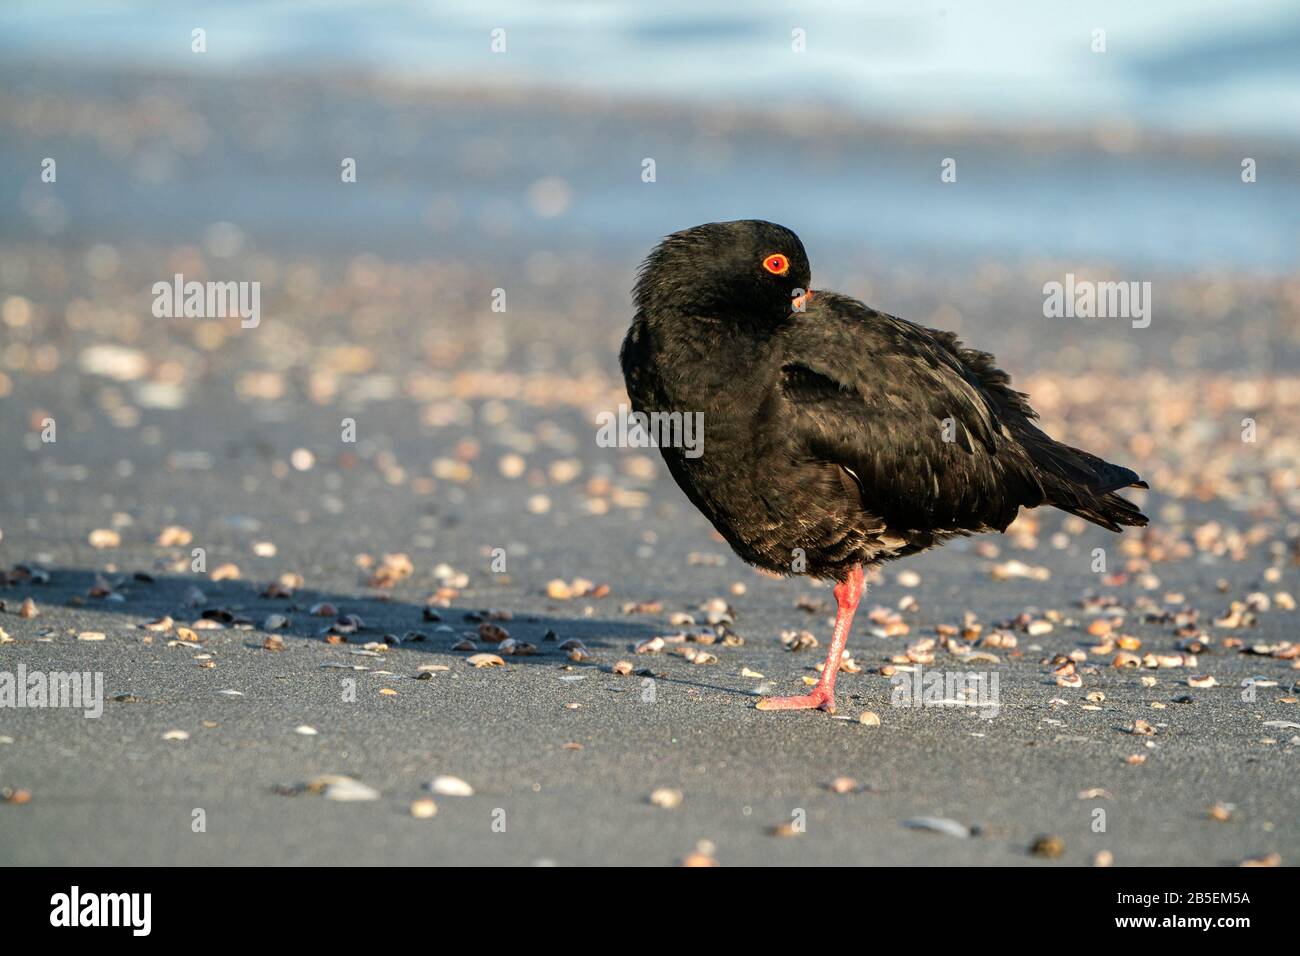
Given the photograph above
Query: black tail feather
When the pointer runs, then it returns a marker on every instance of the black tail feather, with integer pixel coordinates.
(1085, 485)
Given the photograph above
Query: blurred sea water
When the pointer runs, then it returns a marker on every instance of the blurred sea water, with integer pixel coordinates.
(1228, 73)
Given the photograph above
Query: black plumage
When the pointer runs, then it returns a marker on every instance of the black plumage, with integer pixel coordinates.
(836, 436)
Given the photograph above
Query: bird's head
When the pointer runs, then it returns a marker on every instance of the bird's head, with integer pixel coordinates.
(747, 271)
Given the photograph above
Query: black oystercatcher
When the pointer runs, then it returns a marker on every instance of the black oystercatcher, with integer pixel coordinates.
(835, 436)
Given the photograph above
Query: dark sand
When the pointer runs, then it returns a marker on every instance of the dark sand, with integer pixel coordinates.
(373, 313)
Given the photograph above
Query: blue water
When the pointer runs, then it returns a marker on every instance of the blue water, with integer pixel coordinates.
(1228, 71)
(1186, 65)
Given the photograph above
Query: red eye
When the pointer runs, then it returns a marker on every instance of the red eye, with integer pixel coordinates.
(777, 264)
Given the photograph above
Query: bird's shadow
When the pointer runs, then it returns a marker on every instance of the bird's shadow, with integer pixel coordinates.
(312, 615)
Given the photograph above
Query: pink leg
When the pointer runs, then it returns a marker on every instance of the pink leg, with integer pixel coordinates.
(847, 595)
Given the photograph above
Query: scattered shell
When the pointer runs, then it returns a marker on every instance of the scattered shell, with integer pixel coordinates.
(174, 536)
(449, 786)
(1221, 812)
(666, 797)
(697, 858)
(1050, 846)
(1018, 569)
(485, 660)
(869, 718)
(343, 789)
(424, 808)
(393, 568)
(939, 825)
(225, 572)
(784, 830)
(104, 538)
(176, 735)
(1099, 627)
(798, 640)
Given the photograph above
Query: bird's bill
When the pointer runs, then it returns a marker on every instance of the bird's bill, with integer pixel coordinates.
(800, 302)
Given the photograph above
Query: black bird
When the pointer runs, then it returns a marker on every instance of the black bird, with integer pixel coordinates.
(835, 436)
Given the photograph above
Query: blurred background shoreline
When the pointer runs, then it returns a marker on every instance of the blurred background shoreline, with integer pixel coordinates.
(1130, 155)
(549, 168)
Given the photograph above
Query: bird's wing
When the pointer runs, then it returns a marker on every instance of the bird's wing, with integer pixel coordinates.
(895, 406)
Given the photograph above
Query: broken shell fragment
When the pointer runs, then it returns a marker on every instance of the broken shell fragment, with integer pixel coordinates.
(104, 538)
(666, 797)
(939, 825)
(450, 786)
(343, 789)
(1050, 846)
(225, 572)
(174, 536)
(798, 640)
(784, 830)
(1222, 812)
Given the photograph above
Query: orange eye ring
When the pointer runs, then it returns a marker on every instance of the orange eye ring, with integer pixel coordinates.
(777, 264)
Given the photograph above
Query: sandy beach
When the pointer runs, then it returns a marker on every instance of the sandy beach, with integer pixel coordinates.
(384, 469)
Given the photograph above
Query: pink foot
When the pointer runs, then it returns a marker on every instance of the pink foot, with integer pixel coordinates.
(817, 700)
